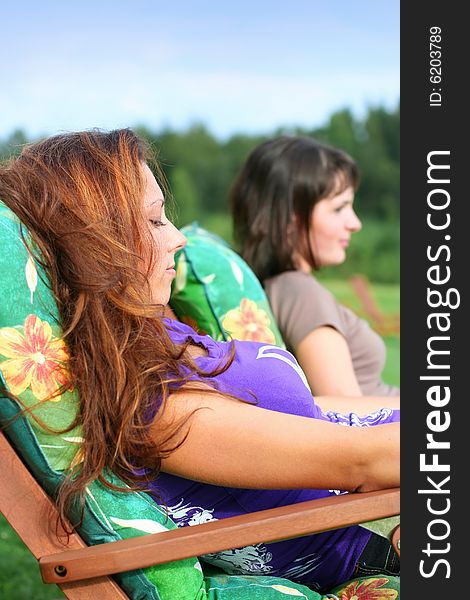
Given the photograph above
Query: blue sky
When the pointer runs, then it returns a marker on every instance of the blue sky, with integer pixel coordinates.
(235, 66)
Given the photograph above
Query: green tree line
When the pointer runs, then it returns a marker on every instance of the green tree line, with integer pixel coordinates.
(200, 169)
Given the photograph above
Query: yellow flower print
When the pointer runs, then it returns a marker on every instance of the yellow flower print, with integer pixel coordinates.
(369, 589)
(34, 359)
(248, 322)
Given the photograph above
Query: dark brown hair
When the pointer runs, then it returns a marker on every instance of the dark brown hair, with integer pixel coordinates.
(81, 197)
(277, 189)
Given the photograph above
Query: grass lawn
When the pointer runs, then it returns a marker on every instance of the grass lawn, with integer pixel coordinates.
(391, 372)
(19, 573)
(387, 297)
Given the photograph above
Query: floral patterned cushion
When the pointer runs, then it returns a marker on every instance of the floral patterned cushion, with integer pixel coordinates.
(216, 292)
(369, 588)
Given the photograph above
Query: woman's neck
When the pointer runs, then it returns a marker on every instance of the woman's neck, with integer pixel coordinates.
(301, 264)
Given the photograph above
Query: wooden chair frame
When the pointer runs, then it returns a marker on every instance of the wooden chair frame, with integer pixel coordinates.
(83, 572)
(382, 323)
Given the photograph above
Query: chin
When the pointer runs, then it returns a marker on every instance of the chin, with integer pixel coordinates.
(334, 260)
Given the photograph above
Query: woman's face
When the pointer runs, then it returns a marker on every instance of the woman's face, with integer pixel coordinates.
(333, 223)
(166, 237)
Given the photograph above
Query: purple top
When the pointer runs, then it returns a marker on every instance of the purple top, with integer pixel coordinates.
(273, 377)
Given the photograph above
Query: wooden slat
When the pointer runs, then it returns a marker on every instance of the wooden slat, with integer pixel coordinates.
(96, 588)
(33, 515)
(385, 324)
(263, 526)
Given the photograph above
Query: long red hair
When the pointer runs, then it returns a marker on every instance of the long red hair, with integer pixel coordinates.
(81, 196)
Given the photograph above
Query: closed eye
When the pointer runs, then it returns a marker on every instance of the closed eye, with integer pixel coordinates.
(157, 223)
(342, 206)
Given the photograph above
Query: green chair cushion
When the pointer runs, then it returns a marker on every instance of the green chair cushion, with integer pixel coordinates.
(218, 293)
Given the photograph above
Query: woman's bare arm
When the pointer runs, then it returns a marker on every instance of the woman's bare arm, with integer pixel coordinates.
(239, 445)
(326, 361)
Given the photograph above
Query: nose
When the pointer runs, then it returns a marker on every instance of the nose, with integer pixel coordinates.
(354, 223)
(178, 240)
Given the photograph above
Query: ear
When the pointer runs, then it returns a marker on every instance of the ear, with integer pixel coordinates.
(292, 229)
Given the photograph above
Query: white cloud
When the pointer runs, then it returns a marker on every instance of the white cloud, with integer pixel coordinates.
(120, 95)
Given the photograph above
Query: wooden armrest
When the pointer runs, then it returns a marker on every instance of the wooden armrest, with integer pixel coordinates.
(263, 526)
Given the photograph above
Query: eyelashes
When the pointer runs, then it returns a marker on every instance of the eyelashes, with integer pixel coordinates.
(157, 223)
(338, 209)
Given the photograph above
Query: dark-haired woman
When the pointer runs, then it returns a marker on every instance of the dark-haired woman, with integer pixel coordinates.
(293, 213)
